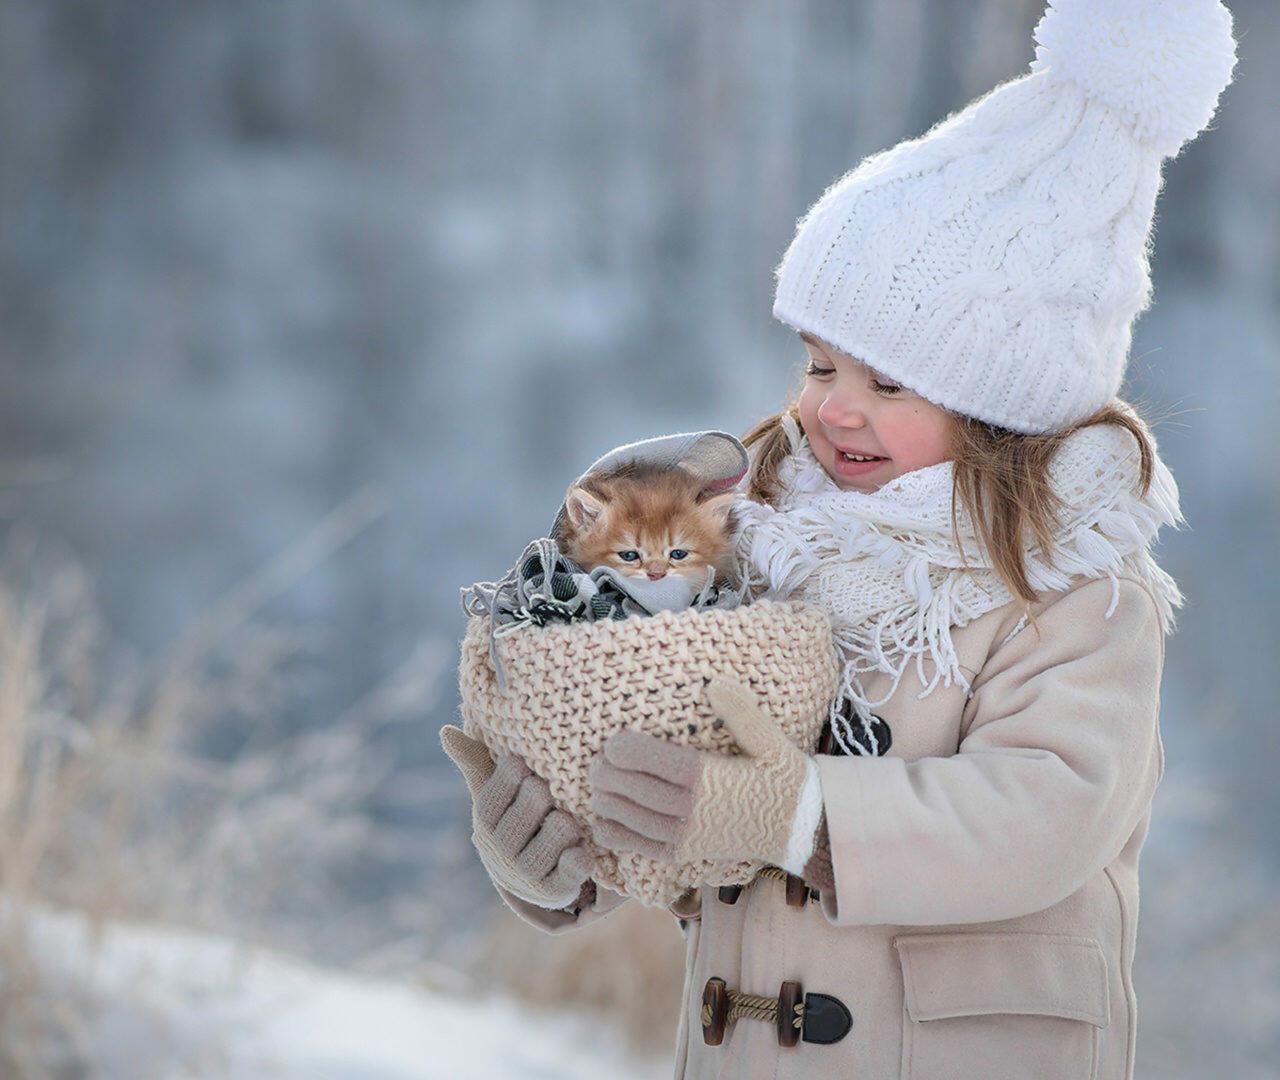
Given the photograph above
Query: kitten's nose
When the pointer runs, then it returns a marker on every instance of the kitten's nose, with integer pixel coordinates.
(654, 575)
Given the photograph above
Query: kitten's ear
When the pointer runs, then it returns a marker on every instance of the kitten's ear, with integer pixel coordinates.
(719, 504)
(583, 508)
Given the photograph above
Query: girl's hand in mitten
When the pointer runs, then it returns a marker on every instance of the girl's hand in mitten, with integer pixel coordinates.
(529, 846)
(679, 804)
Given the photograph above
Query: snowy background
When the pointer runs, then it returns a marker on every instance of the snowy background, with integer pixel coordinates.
(311, 308)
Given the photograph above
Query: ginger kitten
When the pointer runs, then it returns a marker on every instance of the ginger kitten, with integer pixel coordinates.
(647, 522)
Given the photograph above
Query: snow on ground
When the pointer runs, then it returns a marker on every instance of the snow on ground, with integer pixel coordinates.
(179, 1005)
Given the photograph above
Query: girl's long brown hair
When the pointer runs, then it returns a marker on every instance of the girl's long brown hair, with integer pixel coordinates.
(1001, 480)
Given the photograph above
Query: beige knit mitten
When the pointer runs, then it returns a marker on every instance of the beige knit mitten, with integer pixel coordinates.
(679, 804)
(529, 846)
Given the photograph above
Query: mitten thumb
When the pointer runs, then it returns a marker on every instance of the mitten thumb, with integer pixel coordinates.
(752, 729)
(470, 755)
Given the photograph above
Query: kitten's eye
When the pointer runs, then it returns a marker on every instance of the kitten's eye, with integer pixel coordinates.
(888, 389)
(679, 553)
(628, 556)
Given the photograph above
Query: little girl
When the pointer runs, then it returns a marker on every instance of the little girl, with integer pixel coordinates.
(956, 887)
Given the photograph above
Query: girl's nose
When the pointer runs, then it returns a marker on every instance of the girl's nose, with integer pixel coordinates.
(837, 413)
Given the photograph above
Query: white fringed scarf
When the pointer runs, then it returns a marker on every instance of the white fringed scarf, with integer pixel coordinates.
(887, 567)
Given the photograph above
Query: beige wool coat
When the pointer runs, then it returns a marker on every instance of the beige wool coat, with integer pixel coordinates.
(984, 916)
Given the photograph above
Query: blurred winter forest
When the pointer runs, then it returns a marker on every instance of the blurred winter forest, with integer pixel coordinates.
(310, 311)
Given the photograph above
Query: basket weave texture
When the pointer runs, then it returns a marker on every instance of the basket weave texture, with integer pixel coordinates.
(571, 686)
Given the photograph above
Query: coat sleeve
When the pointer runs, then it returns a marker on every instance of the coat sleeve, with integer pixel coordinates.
(1058, 763)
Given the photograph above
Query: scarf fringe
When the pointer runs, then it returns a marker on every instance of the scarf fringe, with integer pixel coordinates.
(898, 543)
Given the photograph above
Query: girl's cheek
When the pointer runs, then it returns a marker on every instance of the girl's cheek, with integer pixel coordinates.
(896, 435)
(918, 437)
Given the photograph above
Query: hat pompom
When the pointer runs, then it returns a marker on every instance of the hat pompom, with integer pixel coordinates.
(1160, 63)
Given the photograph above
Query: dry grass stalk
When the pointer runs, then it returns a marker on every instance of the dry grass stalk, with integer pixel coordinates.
(109, 806)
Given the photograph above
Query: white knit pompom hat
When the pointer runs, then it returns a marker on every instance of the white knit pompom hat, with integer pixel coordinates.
(995, 265)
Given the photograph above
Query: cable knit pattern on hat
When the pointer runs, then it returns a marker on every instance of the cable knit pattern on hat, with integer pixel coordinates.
(995, 265)
(571, 686)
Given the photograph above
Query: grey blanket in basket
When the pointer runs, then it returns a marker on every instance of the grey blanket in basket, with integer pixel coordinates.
(545, 586)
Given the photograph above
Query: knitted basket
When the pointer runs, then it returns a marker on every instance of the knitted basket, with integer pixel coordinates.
(570, 686)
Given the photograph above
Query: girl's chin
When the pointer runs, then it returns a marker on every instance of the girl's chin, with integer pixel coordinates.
(867, 487)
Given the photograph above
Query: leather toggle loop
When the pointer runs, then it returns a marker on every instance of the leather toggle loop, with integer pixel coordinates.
(729, 894)
(826, 1019)
(815, 1018)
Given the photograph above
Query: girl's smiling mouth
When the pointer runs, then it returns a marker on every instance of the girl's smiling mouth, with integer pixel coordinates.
(850, 462)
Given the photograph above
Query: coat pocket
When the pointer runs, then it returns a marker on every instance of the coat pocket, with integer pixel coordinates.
(999, 1005)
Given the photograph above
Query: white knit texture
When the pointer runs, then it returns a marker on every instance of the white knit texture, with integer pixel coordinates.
(888, 570)
(804, 826)
(995, 265)
(1160, 65)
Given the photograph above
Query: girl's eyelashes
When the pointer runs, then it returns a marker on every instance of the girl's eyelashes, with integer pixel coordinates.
(885, 389)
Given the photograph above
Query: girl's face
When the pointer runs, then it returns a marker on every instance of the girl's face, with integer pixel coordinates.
(848, 410)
